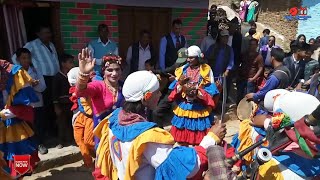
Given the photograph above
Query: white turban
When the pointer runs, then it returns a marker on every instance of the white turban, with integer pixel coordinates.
(270, 97)
(194, 51)
(73, 75)
(137, 84)
(296, 104)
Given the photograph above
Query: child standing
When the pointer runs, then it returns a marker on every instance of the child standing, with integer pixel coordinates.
(150, 65)
(39, 85)
(261, 81)
(62, 103)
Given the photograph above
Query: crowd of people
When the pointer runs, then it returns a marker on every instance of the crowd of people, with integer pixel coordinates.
(118, 125)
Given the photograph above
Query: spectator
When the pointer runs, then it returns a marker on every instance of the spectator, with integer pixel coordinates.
(139, 52)
(170, 44)
(263, 79)
(246, 40)
(220, 58)
(257, 35)
(279, 79)
(295, 62)
(39, 85)
(208, 40)
(62, 103)
(101, 47)
(250, 70)
(265, 51)
(264, 40)
(302, 38)
(45, 61)
(310, 64)
(312, 41)
(150, 65)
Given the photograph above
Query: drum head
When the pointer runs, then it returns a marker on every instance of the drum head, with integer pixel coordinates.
(245, 109)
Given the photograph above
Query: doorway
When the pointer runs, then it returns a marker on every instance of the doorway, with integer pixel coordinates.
(43, 13)
(134, 19)
(33, 17)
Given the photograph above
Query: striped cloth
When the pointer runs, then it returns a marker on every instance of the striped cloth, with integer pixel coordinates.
(218, 169)
(45, 60)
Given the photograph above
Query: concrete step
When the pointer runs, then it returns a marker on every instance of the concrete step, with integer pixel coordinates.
(58, 157)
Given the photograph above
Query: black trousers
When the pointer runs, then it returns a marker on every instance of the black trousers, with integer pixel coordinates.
(39, 124)
(163, 113)
(49, 115)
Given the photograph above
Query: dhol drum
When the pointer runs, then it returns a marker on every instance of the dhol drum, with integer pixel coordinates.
(246, 109)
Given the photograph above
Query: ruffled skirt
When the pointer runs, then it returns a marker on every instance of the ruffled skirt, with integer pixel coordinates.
(17, 138)
(191, 122)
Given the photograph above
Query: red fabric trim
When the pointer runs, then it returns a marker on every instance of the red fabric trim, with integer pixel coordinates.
(230, 152)
(201, 152)
(23, 112)
(187, 136)
(73, 98)
(174, 95)
(207, 99)
(97, 174)
(306, 132)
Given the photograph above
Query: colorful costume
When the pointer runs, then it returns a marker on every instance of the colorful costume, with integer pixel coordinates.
(294, 154)
(103, 102)
(82, 121)
(192, 119)
(133, 148)
(16, 137)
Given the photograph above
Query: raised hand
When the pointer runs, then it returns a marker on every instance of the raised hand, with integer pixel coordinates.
(86, 62)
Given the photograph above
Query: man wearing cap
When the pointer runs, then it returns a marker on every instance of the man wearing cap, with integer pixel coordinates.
(131, 147)
(279, 79)
(163, 112)
(220, 58)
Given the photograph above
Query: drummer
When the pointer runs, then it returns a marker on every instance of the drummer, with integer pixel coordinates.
(279, 78)
(249, 134)
(296, 159)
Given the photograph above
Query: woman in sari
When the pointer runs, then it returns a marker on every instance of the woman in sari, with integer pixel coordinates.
(243, 10)
(251, 11)
(105, 95)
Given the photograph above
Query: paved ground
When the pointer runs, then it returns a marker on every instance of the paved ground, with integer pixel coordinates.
(73, 171)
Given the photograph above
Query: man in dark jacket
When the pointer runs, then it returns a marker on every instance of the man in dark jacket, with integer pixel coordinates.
(163, 112)
(295, 63)
(138, 53)
(170, 44)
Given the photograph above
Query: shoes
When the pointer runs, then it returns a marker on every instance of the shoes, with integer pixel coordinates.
(42, 149)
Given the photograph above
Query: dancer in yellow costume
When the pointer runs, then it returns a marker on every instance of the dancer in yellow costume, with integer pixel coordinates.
(131, 147)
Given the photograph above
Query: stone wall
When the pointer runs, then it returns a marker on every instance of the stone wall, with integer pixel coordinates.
(272, 13)
(79, 22)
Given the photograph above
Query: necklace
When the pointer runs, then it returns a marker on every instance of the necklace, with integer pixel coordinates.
(114, 92)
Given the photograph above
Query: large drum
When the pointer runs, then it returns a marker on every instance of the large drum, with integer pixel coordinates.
(246, 109)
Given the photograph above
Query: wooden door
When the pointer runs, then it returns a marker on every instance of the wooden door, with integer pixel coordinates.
(134, 19)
